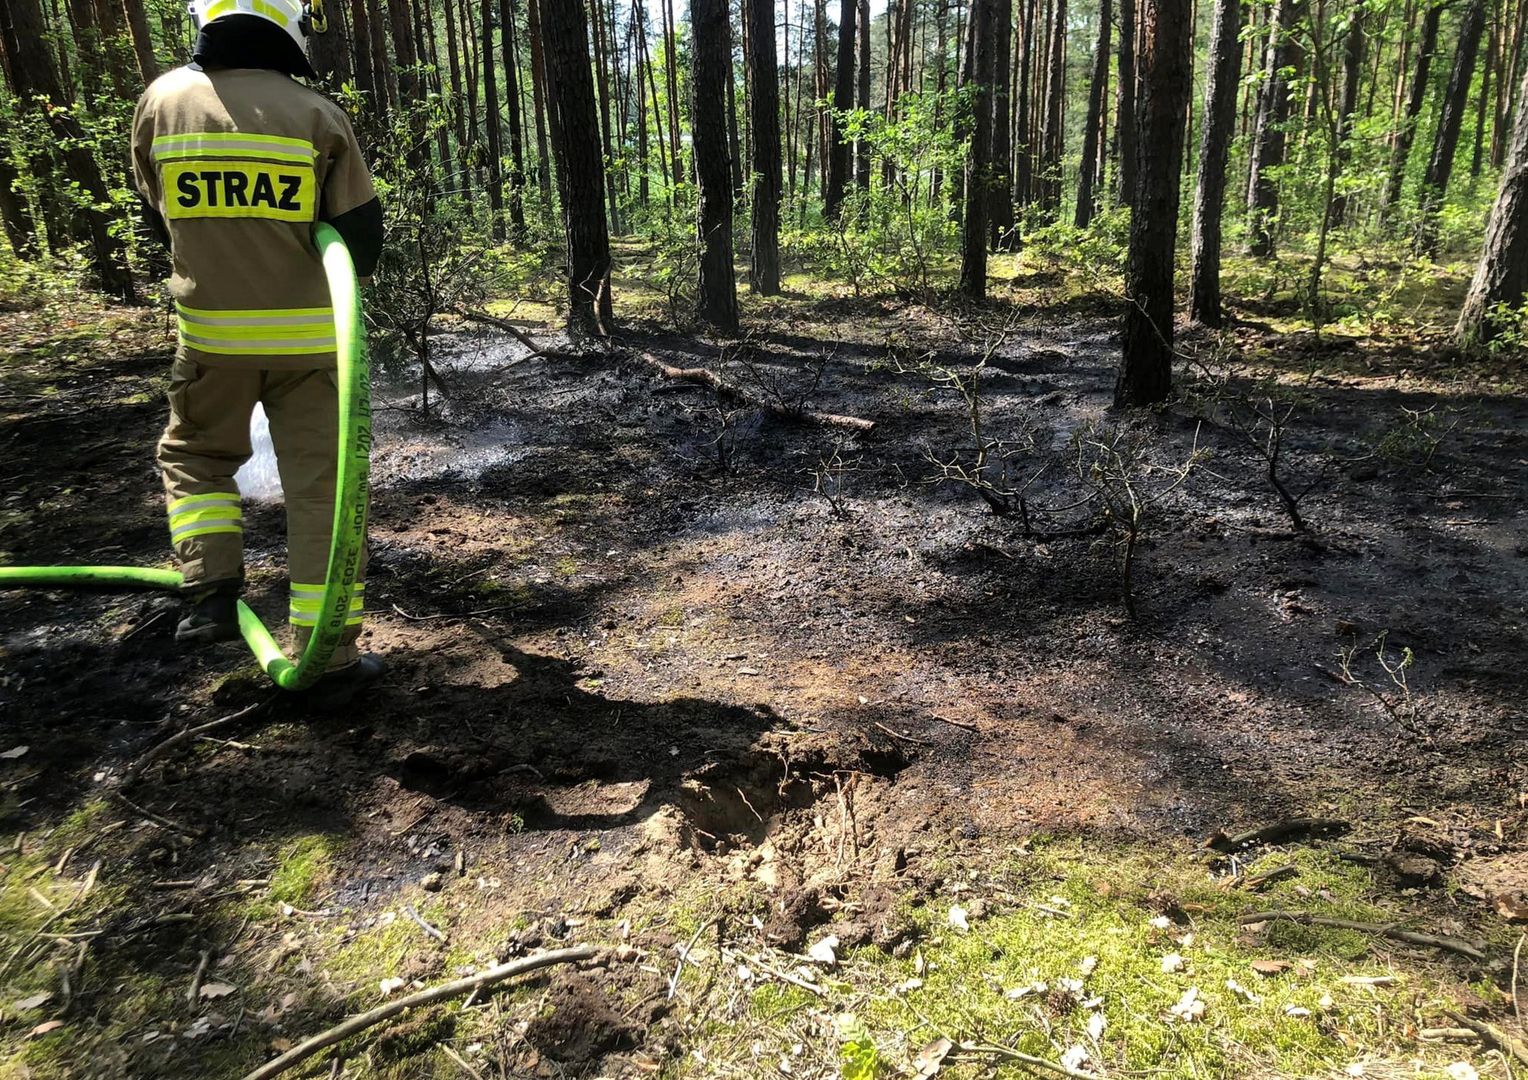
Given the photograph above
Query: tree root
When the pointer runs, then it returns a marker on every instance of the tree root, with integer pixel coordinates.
(1388, 930)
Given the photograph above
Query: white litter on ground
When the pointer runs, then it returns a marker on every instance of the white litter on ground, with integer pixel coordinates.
(258, 478)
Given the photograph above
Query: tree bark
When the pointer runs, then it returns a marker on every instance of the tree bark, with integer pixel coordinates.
(117, 48)
(1214, 149)
(457, 108)
(1023, 122)
(330, 51)
(716, 296)
(973, 243)
(602, 81)
(36, 82)
(1407, 132)
(1145, 374)
(1092, 128)
(1501, 278)
(1440, 165)
(581, 171)
(365, 76)
(862, 73)
(15, 215)
(383, 73)
(843, 101)
(671, 72)
(764, 103)
(1124, 123)
(1269, 140)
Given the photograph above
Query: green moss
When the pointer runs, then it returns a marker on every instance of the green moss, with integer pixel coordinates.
(302, 867)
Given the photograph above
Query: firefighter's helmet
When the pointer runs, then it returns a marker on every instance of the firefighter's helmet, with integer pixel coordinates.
(299, 18)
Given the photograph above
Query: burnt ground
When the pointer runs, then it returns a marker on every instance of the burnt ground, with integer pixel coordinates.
(635, 657)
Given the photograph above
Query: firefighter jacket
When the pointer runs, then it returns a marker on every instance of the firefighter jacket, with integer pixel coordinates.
(240, 163)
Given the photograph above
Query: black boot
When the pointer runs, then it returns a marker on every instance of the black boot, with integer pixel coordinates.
(214, 614)
(335, 689)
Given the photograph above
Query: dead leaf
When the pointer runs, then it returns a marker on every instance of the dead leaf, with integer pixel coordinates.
(1269, 968)
(35, 1001)
(44, 1028)
(213, 990)
(14, 752)
(1511, 906)
(931, 1058)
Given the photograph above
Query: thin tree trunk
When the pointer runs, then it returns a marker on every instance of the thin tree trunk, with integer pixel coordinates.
(843, 101)
(1214, 149)
(763, 99)
(143, 39)
(1092, 134)
(117, 49)
(1440, 165)
(862, 71)
(1055, 98)
(330, 51)
(1414, 100)
(1023, 122)
(716, 295)
(1268, 138)
(1145, 374)
(735, 143)
(457, 110)
(644, 184)
(574, 121)
(383, 72)
(15, 215)
(491, 125)
(671, 72)
(1477, 159)
(511, 54)
(1501, 278)
(538, 101)
(365, 78)
(602, 79)
(1000, 223)
(973, 246)
(1352, 71)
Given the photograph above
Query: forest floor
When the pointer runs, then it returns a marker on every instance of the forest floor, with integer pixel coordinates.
(853, 775)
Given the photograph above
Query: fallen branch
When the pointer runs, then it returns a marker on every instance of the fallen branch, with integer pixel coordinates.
(515, 332)
(899, 735)
(1388, 930)
(1277, 833)
(187, 734)
(342, 1031)
(731, 392)
(1492, 1034)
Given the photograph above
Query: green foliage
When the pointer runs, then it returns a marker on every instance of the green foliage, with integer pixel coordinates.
(861, 1060)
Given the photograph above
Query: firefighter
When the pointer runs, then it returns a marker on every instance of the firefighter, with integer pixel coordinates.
(236, 161)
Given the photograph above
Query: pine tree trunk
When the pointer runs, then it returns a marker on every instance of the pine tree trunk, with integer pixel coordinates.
(1352, 72)
(491, 125)
(843, 101)
(1124, 123)
(602, 79)
(1269, 140)
(1000, 211)
(512, 108)
(1092, 133)
(1023, 121)
(1145, 374)
(35, 79)
(1224, 74)
(458, 104)
(574, 122)
(1440, 165)
(1414, 101)
(117, 49)
(1501, 278)
(143, 39)
(764, 104)
(88, 50)
(716, 294)
(383, 73)
(735, 144)
(644, 184)
(15, 215)
(1477, 158)
(973, 241)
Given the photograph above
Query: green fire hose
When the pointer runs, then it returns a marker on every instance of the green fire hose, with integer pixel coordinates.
(348, 535)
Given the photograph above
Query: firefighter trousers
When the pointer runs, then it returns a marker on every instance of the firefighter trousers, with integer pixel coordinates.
(203, 446)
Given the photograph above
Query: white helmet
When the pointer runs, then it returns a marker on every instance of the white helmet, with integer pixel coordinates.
(297, 17)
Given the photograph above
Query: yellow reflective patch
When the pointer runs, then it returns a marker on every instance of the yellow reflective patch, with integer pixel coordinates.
(239, 189)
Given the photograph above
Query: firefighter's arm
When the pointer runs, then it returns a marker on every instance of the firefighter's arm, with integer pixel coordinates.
(145, 176)
(350, 202)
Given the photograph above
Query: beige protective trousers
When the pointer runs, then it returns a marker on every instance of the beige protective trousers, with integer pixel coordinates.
(205, 443)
